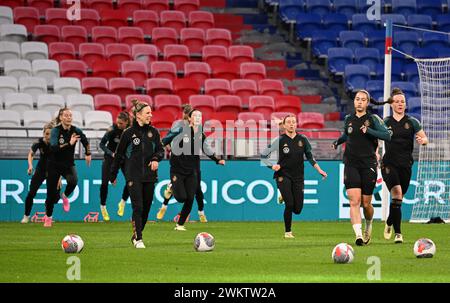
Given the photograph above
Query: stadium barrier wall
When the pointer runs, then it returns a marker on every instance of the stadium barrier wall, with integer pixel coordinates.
(239, 191)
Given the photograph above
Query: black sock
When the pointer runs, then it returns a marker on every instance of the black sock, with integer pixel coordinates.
(391, 215)
(397, 215)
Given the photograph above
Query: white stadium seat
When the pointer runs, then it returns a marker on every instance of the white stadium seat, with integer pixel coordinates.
(66, 86)
(34, 50)
(50, 103)
(17, 68)
(77, 119)
(34, 86)
(9, 51)
(9, 118)
(47, 69)
(98, 119)
(80, 102)
(19, 102)
(36, 118)
(13, 32)
(8, 85)
(6, 15)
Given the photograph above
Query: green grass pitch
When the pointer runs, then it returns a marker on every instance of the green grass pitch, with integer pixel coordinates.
(244, 252)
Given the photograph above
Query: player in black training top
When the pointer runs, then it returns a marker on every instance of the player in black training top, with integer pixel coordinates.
(108, 144)
(40, 174)
(63, 139)
(186, 145)
(361, 133)
(289, 170)
(141, 150)
(398, 160)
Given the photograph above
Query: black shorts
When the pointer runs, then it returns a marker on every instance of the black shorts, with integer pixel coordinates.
(394, 176)
(363, 178)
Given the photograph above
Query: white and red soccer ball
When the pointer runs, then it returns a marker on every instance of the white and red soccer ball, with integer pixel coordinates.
(72, 244)
(343, 253)
(204, 242)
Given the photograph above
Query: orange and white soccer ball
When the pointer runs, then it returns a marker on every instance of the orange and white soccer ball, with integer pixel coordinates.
(343, 253)
(424, 248)
(72, 244)
(204, 242)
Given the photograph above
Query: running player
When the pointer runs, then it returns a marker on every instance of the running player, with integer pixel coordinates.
(40, 174)
(289, 169)
(63, 139)
(187, 108)
(187, 143)
(361, 133)
(398, 160)
(141, 150)
(108, 144)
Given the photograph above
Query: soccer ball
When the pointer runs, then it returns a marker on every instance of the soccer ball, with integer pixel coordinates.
(424, 248)
(343, 253)
(72, 244)
(204, 242)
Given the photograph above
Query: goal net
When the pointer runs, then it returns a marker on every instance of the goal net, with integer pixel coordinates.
(432, 194)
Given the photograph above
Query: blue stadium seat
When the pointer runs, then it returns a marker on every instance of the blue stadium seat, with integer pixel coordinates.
(338, 58)
(424, 53)
(362, 24)
(375, 88)
(377, 39)
(414, 105)
(362, 6)
(320, 7)
(308, 24)
(406, 41)
(289, 9)
(352, 39)
(335, 22)
(430, 7)
(346, 7)
(396, 72)
(411, 73)
(404, 7)
(421, 21)
(369, 57)
(418, 116)
(356, 76)
(443, 23)
(396, 19)
(435, 40)
(409, 89)
(444, 52)
(322, 41)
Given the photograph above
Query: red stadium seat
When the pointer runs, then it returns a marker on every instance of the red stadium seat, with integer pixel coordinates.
(41, 5)
(113, 18)
(241, 53)
(223, 117)
(57, 16)
(214, 54)
(106, 69)
(104, 35)
(129, 6)
(229, 103)
(186, 87)
(262, 104)
(89, 18)
(228, 70)
(250, 116)
(74, 34)
(204, 103)
(244, 88)
(186, 6)
(218, 36)
(158, 86)
(140, 98)
(61, 51)
(13, 3)
(94, 86)
(118, 52)
(100, 5)
(108, 102)
(131, 35)
(146, 20)
(156, 5)
(193, 38)
(163, 120)
(122, 87)
(176, 53)
(311, 120)
(280, 115)
(254, 71)
(144, 52)
(217, 87)
(162, 36)
(91, 52)
(201, 19)
(27, 16)
(47, 33)
(271, 87)
(73, 68)
(135, 70)
(163, 69)
(172, 19)
(290, 104)
(331, 135)
(199, 71)
(168, 103)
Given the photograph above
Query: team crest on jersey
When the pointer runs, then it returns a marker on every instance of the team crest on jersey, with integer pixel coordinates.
(407, 125)
(280, 179)
(130, 183)
(387, 170)
(174, 178)
(367, 123)
(286, 150)
(150, 134)
(350, 130)
(136, 141)
(300, 143)
(116, 139)
(391, 132)
(61, 140)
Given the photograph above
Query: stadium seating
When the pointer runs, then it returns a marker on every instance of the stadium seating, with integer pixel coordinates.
(36, 118)
(241, 53)
(178, 54)
(140, 98)
(186, 6)
(91, 52)
(204, 103)
(217, 87)
(8, 84)
(421, 21)
(109, 103)
(185, 87)
(172, 19)
(9, 118)
(356, 76)
(227, 70)
(73, 68)
(162, 36)
(130, 35)
(375, 88)
(57, 17)
(346, 7)
(320, 7)
(66, 86)
(201, 19)
(144, 52)
(271, 87)
(89, 18)
(290, 104)
(118, 52)
(135, 70)
(33, 86)
(307, 24)
(311, 120)
(104, 35)
(27, 16)
(19, 102)
(352, 39)
(75, 34)
(262, 104)
(289, 9)
(122, 87)
(13, 32)
(80, 102)
(215, 54)
(94, 86)
(409, 89)
(34, 50)
(406, 41)
(362, 24)
(168, 103)
(113, 18)
(50, 103)
(193, 38)
(146, 20)
(98, 119)
(46, 33)
(17, 68)
(163, 69)
(253, 70)
(6, 15)
(335, 22)
(47, 69)
(229, 103)
(129, 6)
(244, 88)
(156, 5)
(322, 41)
(404, 7)
(9, 51)
(369, 57)
(217, 36)
(199, 71)
(158, 86)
